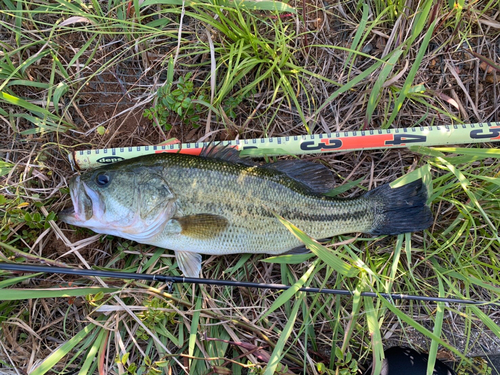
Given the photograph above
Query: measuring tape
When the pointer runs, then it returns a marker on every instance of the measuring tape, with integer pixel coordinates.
(310, 144)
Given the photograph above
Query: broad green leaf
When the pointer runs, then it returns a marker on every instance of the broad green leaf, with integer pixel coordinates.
(493, 180)
(159, 23)
(421, 21)
(161, 330)
(24, 82)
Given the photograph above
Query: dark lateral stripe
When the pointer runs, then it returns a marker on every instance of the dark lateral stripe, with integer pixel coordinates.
(293, 215)
(297, 215)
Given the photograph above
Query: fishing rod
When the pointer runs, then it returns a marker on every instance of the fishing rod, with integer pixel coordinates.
(308, 144)
(244, 284)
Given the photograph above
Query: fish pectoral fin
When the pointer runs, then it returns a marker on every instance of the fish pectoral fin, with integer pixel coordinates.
(189, 263)
(202, 226)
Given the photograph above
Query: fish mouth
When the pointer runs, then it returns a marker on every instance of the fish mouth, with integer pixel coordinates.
(70, 211)
(82, 204)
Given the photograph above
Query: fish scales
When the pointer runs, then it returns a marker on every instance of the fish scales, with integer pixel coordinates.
(219, 205)
(250, 198)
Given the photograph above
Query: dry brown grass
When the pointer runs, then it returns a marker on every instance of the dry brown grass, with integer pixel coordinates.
(112, 83)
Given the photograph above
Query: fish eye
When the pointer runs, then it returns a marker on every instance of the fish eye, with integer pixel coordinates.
(102, 179)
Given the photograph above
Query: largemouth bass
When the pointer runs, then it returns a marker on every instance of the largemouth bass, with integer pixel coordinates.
(220, 204)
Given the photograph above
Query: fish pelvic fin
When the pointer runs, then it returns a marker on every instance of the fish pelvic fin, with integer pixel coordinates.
(400, 210)
(189, 263)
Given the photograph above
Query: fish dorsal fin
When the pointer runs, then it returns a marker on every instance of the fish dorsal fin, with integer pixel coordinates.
(315, 176)
(202, 226)
(227, 153)
(189, 263)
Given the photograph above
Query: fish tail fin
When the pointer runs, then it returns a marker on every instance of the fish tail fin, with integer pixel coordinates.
(400, 210)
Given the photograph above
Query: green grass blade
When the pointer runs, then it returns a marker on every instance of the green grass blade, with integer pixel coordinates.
(277, 353)
(348, 86)
(344, 187)
(194, 328)
(93, 352)
(289, 258)
(423, 173)
(321, 252)
(289, 293)
(405, 90)
(359, 34)
(438, 327)
(483, 152)
(395, 262)
(357, 301)
(421, 21)
(62, 351)
(376, 336)
(250, 5)
(379, 83)
(494, 327)
(23, 294)
(11, 99)
(465, 183)
(405, 318)
(14, 280)
(24, 82)
(59, 91)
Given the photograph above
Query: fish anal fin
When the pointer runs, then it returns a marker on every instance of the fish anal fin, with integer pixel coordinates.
(315, 176)
(189, 263)
(297, 250)
(202, 226)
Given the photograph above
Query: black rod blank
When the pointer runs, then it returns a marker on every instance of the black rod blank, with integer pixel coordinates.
(245, 284)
